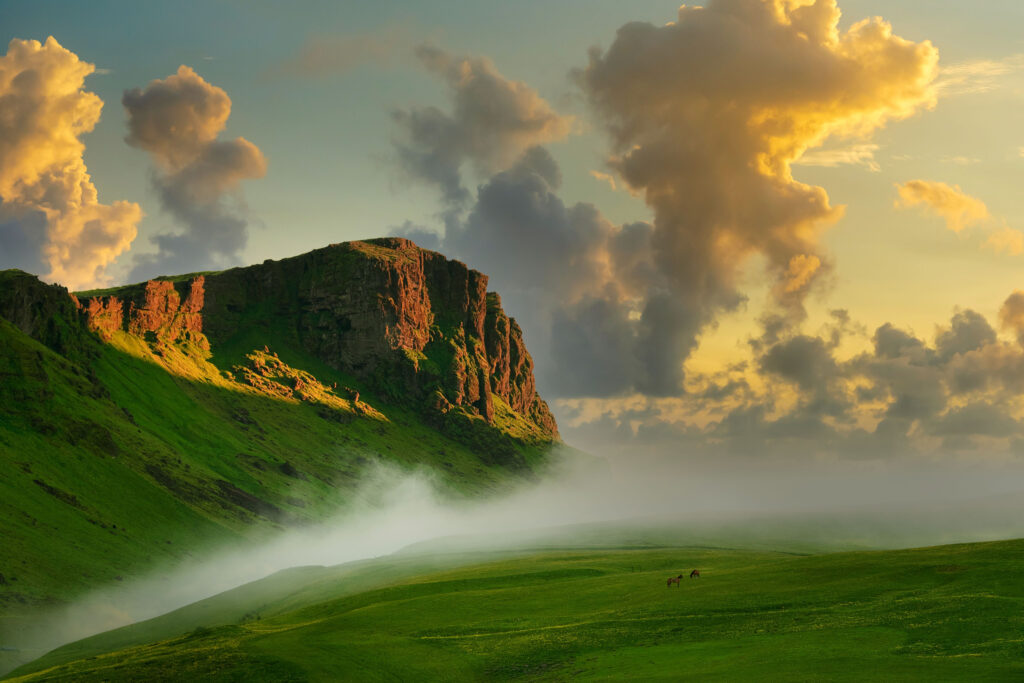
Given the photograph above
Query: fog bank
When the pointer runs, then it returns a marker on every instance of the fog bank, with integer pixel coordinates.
(589, 502)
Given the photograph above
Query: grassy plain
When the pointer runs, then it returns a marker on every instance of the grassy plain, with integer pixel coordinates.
(941, 613)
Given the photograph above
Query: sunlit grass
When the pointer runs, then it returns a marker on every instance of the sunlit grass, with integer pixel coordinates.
(945, 613)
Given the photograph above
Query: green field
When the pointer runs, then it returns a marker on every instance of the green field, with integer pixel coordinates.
(941, 613)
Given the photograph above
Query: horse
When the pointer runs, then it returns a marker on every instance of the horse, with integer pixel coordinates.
(695, 573)
(674, 579)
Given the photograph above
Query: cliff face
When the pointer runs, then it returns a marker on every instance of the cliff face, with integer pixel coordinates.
(414, 326)
(156, 310)
(44, 312)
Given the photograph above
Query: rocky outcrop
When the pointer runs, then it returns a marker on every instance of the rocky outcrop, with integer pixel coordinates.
(155, 311)
(264, 372)
(413, 325)
(47, 313)
(162, 312)
(104, 316)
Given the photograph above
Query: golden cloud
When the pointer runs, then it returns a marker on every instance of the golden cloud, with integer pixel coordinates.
(45, 112)
(1006, 240)
(801, 270)
(957, 208)
(708, 114)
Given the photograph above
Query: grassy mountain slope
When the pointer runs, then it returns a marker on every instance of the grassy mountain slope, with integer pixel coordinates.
(122, 449)
(98, 477)
(947, 613)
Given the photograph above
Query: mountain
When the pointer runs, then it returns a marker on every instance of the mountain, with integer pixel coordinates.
(141, 424)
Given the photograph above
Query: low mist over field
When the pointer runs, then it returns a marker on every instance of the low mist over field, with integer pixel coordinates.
(586, 502)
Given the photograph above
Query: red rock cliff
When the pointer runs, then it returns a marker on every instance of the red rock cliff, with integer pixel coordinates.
(156, 309)
(417, 327)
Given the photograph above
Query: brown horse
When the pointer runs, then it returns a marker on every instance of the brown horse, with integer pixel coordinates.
(674, 579)
(695, 573)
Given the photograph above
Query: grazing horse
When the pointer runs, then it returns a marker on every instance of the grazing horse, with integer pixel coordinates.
(695, 573)
(674, 579)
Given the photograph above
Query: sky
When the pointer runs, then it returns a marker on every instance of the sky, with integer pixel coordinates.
(749, 228)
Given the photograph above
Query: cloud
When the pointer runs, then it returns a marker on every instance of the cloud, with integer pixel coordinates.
(800, 272)
(1006, 240)
(904, 396)
(960, 160)
(1011, 315)
(325, 55)
(807, 362)
(51, 218)
(968, 331)
(861, 154)
(604, 178)
(197, 176)
(493, 121)
(707, 114)
(594, 344)
(958, 209)
(523, 231)
(977, 76)
(977, 419)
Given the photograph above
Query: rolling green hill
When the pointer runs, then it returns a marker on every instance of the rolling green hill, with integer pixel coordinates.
(143, 425)
(940, 613)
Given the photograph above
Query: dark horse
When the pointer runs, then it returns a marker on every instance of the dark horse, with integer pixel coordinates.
(674, 579)
(695, 573)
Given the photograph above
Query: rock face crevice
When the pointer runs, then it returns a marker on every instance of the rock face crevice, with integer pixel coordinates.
(415, 326)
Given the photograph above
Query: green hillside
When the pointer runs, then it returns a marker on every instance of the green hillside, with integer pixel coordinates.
(102, 473)
(128, 440)
(941, 613)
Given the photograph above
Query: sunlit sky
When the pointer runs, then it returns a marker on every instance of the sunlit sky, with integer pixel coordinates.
(332, 172)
